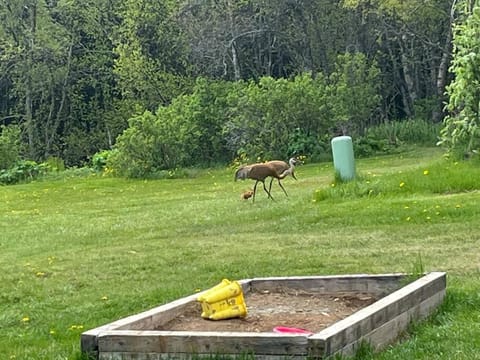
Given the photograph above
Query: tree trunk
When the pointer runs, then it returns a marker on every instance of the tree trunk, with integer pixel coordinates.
(236, 66)
(410, 93)
(58, 118)
(29, 123)
(442, 73)
(29, 118)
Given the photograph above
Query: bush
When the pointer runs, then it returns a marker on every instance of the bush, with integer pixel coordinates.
(413, 131)
(277, 118)
(23, 171)
(100, 160)
(390, 137)
(10, 145)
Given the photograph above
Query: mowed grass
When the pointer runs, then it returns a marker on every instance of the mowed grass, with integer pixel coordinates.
(78, 253)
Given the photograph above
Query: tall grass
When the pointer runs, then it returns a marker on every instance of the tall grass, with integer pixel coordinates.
(76, 253)
(413, 131)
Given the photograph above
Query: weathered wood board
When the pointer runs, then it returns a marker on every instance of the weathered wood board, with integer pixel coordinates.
(379, 323)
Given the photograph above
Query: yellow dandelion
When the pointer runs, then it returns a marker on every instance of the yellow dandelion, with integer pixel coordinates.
(458, 206)
(40, 274)
(25, 319)
(104, 298)
(426, 172)
(408, 218)
(428, 217)
(52, 332)
(332, 185)
(406, 207)
(76, 327)
(402, 184)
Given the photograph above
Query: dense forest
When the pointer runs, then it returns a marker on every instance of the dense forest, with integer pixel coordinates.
(204, 81)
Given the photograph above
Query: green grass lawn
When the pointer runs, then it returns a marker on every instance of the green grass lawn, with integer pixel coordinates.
(81, 252)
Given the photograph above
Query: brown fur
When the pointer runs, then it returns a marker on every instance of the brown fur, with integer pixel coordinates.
(247, 195)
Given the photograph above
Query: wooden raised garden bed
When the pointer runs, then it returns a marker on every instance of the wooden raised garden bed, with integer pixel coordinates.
(340, 311)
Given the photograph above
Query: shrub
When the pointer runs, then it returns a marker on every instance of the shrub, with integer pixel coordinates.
(10, 145)
(100, 160)
(25, 170)
(413, 131)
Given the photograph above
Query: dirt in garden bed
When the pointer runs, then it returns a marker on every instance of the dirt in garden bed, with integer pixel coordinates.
(284, 307)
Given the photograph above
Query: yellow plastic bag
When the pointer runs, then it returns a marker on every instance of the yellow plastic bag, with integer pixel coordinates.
(223, 301)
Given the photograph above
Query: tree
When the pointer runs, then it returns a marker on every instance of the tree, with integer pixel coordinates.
(461, 132)
(92, 116)
(354, 92)
(58, 76)
(151, 61)
(414, 46)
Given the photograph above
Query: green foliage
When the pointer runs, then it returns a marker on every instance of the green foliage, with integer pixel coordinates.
(100, 160)
(138, 149)
(185, 133)
(150, 63)
(276, 118)
(461, 132)
(368, 145)
(10, 145)
(55, 164)
(219, 120)
(413, 132)
(354, 88)
(392, 136)
(72, 87)
(23, 171)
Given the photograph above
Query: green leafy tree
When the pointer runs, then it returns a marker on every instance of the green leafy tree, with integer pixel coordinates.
(412, 42)
(461, 132)
(35, 59)
(151, 61)
(58, 77)
(354, 92)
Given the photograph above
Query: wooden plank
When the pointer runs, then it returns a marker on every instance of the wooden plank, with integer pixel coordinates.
(386, 334)
(364, 321)
(201, 342)
(378, 285)
(145, 320)
(183, 356)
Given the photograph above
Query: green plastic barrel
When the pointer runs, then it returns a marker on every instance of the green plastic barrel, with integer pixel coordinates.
(343, 160)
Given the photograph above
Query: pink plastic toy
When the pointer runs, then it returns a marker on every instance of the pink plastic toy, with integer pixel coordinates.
(291, 330)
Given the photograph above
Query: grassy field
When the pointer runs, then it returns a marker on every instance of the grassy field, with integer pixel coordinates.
(81, 252)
